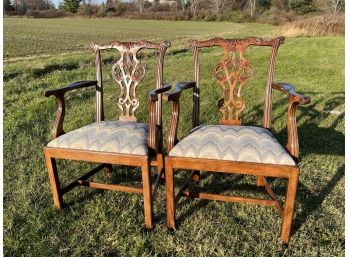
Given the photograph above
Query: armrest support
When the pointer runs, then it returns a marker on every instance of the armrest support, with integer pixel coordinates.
(152, 139)
(295, 99)
(174, 97)
(57, 128)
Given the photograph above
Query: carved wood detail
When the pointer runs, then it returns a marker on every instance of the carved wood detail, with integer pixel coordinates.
(232, 72)
(128, 72)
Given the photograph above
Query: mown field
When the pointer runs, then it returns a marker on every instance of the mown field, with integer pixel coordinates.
(41, 54)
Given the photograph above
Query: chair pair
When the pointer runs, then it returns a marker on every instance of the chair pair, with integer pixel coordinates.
(228, 147)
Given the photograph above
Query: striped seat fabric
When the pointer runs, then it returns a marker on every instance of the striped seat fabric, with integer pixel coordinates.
(107, 136)
(233, 143)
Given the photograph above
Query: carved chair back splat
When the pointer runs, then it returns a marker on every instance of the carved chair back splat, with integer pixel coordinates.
(232, 73)
(128, 72)
(230, 147)
(123, 142)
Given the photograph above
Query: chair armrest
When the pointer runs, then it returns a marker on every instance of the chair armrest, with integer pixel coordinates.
(155, 92)
(57, 128)
(295, 99)
(152, 139)
(175, 94)
(290, 89)
(75, 85)
(174, 97)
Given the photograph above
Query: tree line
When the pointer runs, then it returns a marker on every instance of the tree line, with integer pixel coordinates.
(233, 10)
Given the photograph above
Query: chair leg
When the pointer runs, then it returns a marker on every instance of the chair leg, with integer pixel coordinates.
(170, 195)
(54, 181)
(160, 168)
(197, 177)
(108, 169)
(147, 192)
(259, 181)
(289, 207)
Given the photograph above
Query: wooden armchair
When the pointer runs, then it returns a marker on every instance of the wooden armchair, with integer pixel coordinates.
(230, 147)
(124, 142)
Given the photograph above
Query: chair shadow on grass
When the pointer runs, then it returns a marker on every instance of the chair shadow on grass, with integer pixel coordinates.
(40, 72)
(313, 140)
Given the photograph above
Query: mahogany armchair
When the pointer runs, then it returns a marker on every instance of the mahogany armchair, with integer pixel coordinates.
(123, 142)
(231, 147)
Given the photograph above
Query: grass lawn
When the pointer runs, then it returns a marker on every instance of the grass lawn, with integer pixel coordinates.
(105, 223)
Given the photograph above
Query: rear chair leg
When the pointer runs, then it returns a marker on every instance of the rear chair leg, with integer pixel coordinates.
(196, 177)
(259, 181)
(54, 181)
(160, 168)
(148, 209)
(170, 195)
(289, 207)
(108, 169)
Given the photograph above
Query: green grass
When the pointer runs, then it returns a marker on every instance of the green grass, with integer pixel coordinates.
(104, 223)
(28, 37)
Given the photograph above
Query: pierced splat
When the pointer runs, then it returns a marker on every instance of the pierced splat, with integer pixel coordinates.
(232, 72)
(128, 72)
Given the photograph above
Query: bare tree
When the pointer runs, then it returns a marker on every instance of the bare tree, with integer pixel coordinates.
(280, 4)
(252, 8)
(140, 5)
(178, 5)
(336, 6)
(183, 4)
(193, 7)
(219, 6)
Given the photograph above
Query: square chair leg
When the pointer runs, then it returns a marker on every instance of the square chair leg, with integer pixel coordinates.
(170, 192)
(289, 207)
(259, 181)
(147, 192)
(54, 181)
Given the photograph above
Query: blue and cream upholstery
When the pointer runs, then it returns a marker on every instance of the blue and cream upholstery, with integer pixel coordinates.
(233, 143)
(107, 136)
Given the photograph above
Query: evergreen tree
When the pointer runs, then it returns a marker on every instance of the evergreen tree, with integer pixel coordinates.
(71, 5)
(8, 5)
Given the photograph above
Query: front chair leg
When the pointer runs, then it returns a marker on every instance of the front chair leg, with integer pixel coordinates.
(169, 173)
(147, 188)
(54, 181)
(289, 207)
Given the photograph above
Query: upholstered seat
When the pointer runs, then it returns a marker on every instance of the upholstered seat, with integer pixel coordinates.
(107, 136)
(233, 143)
